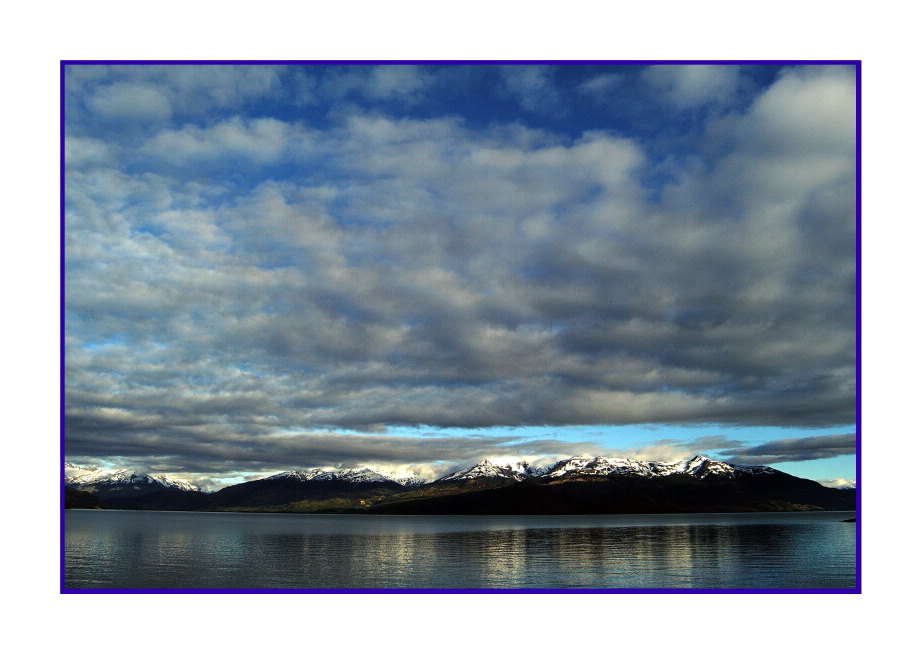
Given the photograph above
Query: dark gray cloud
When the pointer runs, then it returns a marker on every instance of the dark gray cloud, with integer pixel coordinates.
(206, 450)
(794, 449)
(239, 276)
(213, 450)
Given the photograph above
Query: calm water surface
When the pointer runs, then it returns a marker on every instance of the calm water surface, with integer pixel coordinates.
(173, 550)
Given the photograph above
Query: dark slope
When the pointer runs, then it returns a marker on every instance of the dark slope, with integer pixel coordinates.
(74, 498)
(159, 499)
(279, 493)
(441, 488)
(119, 489)
(139, 492)
(631, 494)
(599, 486)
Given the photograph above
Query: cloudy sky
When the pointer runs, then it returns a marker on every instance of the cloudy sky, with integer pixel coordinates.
(416, 267)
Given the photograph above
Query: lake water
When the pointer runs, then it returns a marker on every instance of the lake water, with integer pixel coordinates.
(182, 550)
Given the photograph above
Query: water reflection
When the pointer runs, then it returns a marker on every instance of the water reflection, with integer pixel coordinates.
(176, 550)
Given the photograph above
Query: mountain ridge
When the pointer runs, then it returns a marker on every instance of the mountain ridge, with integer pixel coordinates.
(580, 484)
(84, 476)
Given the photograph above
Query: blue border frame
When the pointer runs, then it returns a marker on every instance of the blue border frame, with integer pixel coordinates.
(61, 398)
(858, 66)
(828, 62)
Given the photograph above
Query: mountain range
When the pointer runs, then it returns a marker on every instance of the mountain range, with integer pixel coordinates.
(578, 485)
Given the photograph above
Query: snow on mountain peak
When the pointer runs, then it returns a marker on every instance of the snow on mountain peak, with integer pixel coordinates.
(80, 475)
(699, 466)
(599, 465)
(361, 475)
(488, 469)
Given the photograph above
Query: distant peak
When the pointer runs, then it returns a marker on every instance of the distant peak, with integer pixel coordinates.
(356, 475)
(77, 476)
(699, 466)
(490, 469)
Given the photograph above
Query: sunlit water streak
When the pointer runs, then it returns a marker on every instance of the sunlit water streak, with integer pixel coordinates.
(174, 550)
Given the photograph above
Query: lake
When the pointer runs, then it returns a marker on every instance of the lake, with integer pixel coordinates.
(111, 549)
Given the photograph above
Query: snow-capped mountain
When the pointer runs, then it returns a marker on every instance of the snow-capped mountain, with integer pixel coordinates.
(600, 466)
(363, 475)
(487, 469)
(620, 485)
(85, 477)
(698, 466)
(701, 467)
(106, 481)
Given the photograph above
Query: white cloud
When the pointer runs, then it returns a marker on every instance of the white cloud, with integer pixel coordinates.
(601, 87)
(130, 101)
(262, 140)
(199, 88)
(805, 111)
(79, 152)
(156, 93)
(838, 483)
(397, 82)
(689, 86)
(533, 88)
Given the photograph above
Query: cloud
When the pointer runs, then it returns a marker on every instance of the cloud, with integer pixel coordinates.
(672, 450)
(153, 94)
(130, 101)
(600, 87)
(839, 483)
(805, 111)
(690, 86)
(429, 456)
(262, 140)
(532, 87)
(79, 152)
(794, 449)
(211, 450)
(200, 87)
(397, 82)
(236, 278)
(528, 277)
(405, 85)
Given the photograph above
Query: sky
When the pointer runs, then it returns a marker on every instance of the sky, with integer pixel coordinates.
(415, 267)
